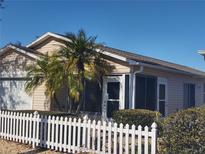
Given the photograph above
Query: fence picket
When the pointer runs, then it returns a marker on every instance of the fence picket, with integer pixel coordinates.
(126, 138)
(20, 127)
(23, 135)
(8, 125)
(139, 144)
(49, 132)
(65, 134)
(84, 132)
(76, 135)
(154, 138)
(56, 132)
(41, 130)
(88, 136)
(37, 129)
(98, 136)
(121, 139)
(93, 134)
(27, 126)
(5, 124)
(69, 134)
(104, 137)
(30, 127)
(109, 137)
(146, 140)
(17, 126)
(79, 134)
(115, 139)
(133, 140)
(61, 134)
(52, 132)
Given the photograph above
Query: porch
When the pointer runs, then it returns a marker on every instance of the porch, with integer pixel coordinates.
(131, 91)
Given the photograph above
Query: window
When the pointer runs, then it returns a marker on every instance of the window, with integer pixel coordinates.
(145, 92)
(189, 95)
(162, 98)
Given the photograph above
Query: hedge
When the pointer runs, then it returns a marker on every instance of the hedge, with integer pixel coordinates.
(184, 132)
(137, 117)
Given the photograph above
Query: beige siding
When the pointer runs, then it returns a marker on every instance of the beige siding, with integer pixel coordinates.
(119, 67)
(50, 46)
(40, 101)
(175, 88)
(53, 45)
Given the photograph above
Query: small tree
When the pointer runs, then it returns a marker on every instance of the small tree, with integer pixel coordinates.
(49, 71)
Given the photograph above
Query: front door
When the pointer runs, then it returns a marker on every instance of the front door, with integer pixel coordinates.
(112, 95)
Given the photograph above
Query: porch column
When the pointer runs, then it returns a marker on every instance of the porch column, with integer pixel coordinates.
(132, 90)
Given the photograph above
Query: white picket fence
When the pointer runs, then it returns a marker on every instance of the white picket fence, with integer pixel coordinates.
(72, 135)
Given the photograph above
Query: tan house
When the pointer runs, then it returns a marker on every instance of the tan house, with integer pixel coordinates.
(136, 82)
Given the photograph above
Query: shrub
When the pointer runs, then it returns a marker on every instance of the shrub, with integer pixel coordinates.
(137, 117)
(184, 132)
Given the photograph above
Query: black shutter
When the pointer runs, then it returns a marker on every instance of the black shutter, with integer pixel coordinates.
(140, 92)
(127, 91)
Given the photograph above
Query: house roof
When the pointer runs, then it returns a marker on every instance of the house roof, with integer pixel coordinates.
(24, 50)
(124, 55)
(153, 61)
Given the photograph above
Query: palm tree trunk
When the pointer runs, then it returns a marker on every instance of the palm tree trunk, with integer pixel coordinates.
(82, 100)
(70, 106)
(57, 102)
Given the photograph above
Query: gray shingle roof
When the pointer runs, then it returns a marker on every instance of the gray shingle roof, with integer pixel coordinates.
(153, 61)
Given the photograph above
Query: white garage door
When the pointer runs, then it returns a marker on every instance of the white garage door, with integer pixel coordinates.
(13, 95)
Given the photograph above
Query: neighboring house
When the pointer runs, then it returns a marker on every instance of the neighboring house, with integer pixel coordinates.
(136, 82)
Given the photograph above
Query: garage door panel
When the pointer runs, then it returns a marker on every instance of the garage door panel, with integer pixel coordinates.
(13, 95)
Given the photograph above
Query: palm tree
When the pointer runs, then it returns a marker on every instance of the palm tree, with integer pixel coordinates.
(83, 60)
(49, 71)
(78, 59)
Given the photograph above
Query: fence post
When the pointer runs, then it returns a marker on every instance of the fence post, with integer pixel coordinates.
(34, 128)
(85, 118)
(154, 138)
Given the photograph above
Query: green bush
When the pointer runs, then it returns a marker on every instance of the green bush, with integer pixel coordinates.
(137, 117)
(45, 113)
(184, 132)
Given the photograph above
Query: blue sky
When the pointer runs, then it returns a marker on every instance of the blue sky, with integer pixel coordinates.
(167, 30)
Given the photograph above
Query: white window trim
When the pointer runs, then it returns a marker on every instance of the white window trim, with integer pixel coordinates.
(163, 81)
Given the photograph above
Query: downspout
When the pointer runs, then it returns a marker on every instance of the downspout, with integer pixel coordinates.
(141, 69)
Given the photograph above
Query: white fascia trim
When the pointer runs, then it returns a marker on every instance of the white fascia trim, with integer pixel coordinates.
(19, 50)
(44, 36)
(131, 62)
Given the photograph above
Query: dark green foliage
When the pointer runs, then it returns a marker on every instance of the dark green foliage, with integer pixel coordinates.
(46, 113)
(137, 117)
(184, 132)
